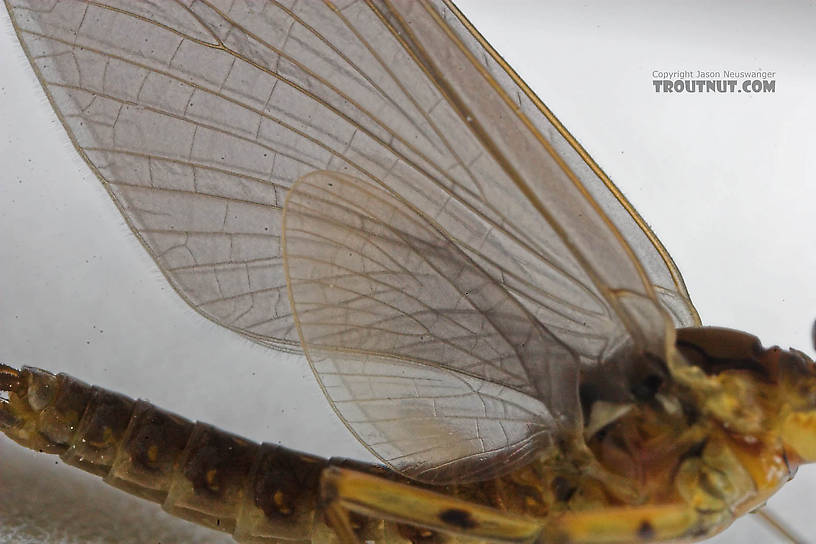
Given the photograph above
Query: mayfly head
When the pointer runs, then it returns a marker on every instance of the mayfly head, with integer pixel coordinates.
(756, 394)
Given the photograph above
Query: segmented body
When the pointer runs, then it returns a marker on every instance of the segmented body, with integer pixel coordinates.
(256, 492)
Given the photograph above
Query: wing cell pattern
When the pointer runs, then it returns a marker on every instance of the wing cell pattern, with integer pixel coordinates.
(199, 116)
(428, 359)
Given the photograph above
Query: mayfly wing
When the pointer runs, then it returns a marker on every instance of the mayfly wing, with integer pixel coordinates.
(372, 351)
(198, 117)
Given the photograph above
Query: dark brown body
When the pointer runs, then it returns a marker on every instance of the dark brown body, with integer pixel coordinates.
(198, 472)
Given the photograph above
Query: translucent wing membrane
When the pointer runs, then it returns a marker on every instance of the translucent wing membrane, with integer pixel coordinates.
(199, 116)
(429, 360)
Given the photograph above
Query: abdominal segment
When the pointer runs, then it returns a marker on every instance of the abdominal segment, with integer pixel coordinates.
(257, 492)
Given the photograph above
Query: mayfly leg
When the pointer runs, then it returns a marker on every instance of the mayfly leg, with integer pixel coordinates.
(348, 490)
(428, 511)
(778, 526)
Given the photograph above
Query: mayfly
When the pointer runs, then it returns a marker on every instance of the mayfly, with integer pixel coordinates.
(373, 185)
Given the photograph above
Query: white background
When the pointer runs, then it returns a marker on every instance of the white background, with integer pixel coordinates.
(725, 180)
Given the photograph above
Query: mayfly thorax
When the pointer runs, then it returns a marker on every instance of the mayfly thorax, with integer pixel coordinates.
(372, 186)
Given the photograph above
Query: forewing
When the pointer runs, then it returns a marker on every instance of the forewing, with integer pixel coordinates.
(431, 362)
(199, 116)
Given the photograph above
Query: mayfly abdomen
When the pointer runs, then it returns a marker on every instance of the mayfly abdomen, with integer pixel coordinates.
(260, 493)
(257, 492)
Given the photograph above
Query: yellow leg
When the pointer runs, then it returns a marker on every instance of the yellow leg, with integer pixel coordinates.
(347, 490)
(660, 523)
(379, 498)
